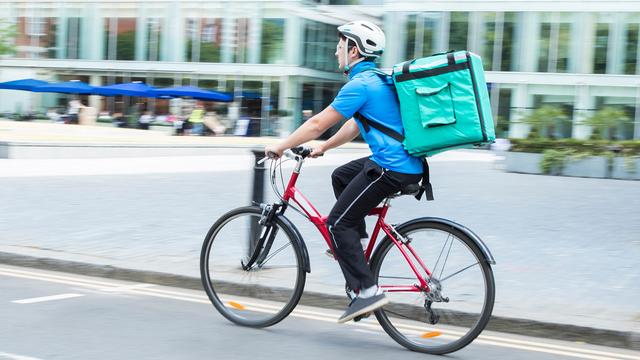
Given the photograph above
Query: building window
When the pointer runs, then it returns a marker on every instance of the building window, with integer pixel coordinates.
(319, 46)
(421, 29)
(73, 38)
(631, 49)
(498, 36)
(154, 39)
(458, 30)
(554, 47)
(272, 42)
(544, 44)
(120, 38)
(34, 37)
(600, 51)
(204, 37)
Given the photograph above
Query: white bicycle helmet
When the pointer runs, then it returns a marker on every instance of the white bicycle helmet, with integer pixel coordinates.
(367, 36)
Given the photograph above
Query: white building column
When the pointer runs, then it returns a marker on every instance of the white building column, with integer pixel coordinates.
(582, 104)
(615, 48)
(173, 34)
(228, 34)
(255, 36)
(520, 103)
(141, 33)
(394, 24)
(293, 40)
(94, 100)
(61, 33)
(475, 32)
(582, 49)
(526, 40)
(289, 99)
(442, 33)
(92, 26)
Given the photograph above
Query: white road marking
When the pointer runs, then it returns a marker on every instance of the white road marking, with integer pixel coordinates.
(316, 314)
(4, 355)
(126, 287)
(47, 298)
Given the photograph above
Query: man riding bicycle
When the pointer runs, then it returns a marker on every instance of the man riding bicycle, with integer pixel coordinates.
(362, 184)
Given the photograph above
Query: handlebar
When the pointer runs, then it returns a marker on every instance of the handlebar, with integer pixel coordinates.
(302, 151)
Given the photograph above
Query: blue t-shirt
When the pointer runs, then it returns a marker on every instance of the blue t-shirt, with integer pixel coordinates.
(367, 93)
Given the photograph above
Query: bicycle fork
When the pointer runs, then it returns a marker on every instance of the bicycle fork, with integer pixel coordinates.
(259, 249)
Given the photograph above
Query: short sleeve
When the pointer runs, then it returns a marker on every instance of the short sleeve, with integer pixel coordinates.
(350, 98)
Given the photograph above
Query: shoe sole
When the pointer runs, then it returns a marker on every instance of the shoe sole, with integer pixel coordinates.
(376, 305)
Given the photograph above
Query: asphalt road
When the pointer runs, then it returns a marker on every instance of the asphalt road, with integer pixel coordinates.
(48, 315)
(567, 249)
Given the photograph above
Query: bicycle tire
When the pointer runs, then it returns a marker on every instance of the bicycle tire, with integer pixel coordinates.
(383, 314)
(216, 289)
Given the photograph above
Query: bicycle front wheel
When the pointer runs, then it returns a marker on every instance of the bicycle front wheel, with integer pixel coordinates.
(458, 305)
(263, 293)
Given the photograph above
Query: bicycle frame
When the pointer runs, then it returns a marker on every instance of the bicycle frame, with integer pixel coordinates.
(291, 193)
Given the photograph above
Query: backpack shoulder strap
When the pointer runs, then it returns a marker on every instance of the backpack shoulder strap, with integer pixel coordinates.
(368, 123)
(425, 186)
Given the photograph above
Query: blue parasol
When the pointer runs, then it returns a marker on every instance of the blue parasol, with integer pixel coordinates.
(135, 88)
(69, 87)
(23, 84)
(193, 92)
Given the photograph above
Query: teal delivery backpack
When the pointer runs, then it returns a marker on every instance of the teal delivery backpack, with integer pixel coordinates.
(444, 103)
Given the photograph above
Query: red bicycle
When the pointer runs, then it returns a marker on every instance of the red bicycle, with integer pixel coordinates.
(436, 273)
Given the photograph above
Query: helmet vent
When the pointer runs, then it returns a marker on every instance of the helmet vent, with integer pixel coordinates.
(371, 42)
(368, 27)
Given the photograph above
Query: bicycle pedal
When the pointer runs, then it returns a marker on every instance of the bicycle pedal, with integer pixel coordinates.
(360, 317)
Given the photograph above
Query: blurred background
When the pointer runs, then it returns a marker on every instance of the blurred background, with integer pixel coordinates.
(552, 66)
(564, 82)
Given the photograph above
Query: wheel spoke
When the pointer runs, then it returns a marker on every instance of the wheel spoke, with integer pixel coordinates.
(275, 253)
(458, 272)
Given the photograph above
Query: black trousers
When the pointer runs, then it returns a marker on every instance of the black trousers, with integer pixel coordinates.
(359, 186)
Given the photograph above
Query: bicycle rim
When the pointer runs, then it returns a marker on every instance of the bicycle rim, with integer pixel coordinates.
(267, 292)
(466, 293)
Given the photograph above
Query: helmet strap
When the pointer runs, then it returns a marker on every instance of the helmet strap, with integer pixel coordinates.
(347, 65)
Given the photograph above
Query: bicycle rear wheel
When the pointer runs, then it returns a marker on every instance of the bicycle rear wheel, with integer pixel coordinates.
(460, 302)
(267, 291)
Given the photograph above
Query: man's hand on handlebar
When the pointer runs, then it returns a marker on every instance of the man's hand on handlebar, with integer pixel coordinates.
(316, 152)
(273, 151)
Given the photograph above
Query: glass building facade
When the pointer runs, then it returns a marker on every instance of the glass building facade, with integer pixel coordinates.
(277, 57)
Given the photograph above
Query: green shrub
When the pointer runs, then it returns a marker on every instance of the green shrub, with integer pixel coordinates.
(589, 147)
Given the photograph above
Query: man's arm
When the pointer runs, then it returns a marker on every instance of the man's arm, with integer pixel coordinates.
(310, 130)
(347, 132)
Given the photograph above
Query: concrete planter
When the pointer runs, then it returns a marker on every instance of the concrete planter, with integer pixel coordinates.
(621, 169)
(592, 166)
(521, 162)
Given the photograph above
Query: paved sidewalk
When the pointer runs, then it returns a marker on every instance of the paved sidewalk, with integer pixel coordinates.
(567, 249)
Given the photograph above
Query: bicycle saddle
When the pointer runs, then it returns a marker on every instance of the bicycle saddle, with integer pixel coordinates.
(411, 189)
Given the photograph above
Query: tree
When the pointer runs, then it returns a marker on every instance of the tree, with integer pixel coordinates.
(8, 33)
(606, 122)
(544, 120)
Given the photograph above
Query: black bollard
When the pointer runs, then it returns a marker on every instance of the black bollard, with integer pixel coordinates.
(257, 196)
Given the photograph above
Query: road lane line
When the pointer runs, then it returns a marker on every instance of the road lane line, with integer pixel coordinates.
(145, 289)
(126, 287)
(16, 356)
(42, 278)
(47, 298)
(60, 277)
